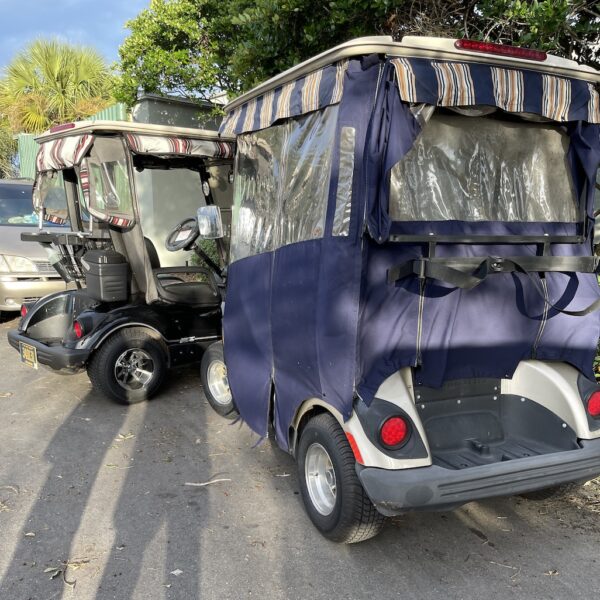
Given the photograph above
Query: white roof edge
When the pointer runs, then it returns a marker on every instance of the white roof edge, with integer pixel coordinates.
(81, 127)
(416, 47)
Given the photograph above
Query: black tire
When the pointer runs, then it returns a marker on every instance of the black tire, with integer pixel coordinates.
(553, 493)
(213, 358)
(102, 367)
(354, 518)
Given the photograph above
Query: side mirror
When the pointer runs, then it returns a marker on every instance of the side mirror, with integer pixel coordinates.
(210, 224)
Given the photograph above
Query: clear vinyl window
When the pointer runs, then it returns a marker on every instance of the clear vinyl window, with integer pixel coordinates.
(282, 184)
(484, 169)
(110, 189)
(49, 194)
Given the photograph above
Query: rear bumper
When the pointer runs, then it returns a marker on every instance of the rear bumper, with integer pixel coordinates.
(435, 488)
(16, 292)
(56, 357)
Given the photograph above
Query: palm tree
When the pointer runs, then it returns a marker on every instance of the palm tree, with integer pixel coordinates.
(52, 82)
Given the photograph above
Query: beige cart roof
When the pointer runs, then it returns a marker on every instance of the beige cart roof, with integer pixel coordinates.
(417, 47)
(92, 127)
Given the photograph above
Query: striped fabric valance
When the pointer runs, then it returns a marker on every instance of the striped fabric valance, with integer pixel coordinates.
(63, 153)
(513, 90)
(316, 90)
(178, 146)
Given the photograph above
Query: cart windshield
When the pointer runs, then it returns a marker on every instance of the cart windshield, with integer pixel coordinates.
(165, 197)
(485, 168)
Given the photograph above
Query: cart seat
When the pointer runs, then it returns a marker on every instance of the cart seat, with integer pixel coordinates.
(196, 293)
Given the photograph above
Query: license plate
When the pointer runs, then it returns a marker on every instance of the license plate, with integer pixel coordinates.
(28, 355)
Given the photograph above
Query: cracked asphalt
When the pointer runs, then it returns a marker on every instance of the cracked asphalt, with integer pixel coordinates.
(95, 503)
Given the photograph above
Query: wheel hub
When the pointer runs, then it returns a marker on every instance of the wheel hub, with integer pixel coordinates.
(320, 479)
(134, 369)
(218, 384)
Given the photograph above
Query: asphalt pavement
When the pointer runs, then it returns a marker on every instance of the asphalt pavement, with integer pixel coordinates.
(102, 501)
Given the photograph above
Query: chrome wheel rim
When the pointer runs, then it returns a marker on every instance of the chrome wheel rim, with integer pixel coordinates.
(134, 369)
(320, 479)
(218, 384)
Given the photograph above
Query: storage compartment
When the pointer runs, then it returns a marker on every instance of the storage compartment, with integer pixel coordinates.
(469, 424)
(106, 275)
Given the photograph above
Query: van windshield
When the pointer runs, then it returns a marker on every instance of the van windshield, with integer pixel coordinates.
(16, 206)
(485, 169)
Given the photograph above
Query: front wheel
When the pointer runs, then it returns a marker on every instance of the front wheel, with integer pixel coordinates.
(332, 493)
(129, 366)
(213, 374)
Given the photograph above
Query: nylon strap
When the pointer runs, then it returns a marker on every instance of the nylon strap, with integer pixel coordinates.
(467, 273)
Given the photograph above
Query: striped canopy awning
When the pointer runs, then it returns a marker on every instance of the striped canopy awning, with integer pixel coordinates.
(178, 146)
(316, 90)
(441, 83)
(63, 153)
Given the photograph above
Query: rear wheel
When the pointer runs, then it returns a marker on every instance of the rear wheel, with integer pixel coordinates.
(332, 493)
(213, 373)
(129, 367)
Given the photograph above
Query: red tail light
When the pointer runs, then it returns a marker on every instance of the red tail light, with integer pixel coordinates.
(593, 405)
(501, 49)
(64, 127)
(78, 330)
(23, 311)
(394, 432)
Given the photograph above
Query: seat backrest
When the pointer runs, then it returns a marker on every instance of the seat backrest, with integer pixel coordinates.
(152, 254)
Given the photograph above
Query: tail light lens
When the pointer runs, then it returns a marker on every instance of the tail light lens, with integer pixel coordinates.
(63, 127)
(355, 450)
(394, 432)
(593, 405)
(78, 330)
(501, 49)
(23, 311)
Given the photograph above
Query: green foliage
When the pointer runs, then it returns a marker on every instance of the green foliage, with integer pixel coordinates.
(170, 49)
(8, 149)
(52, 82)
(563, 27)
(196, 47)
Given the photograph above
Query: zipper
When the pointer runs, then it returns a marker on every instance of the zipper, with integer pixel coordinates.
(364, 225)
(419, 358)
(544, 318)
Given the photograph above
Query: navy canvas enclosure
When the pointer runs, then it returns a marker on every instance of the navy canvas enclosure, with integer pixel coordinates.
(396, 212)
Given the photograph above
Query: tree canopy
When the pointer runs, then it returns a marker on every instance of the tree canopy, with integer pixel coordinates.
(8, 149)
(197, 47)
(52, 82)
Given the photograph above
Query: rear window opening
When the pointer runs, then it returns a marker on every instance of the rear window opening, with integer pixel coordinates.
(485, 168)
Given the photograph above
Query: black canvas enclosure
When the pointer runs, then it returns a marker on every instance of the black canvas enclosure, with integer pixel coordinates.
(106, 275)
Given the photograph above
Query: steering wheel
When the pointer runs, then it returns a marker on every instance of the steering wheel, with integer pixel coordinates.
(183, 235)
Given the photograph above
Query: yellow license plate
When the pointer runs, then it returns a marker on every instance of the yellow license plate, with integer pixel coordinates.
(28, 355)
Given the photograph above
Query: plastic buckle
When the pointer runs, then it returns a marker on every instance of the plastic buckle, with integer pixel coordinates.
(496, 264)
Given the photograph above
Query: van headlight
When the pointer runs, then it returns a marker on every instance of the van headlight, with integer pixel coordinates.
(16, 264)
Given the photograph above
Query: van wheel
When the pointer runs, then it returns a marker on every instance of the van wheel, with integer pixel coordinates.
(553, 493)
(213, 374)
(129, 367)
(332, 493)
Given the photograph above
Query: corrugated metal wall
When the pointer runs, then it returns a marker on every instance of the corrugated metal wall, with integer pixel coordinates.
(116, 112)
(28, 147)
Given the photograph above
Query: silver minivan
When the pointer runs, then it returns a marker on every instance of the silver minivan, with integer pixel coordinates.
(25, 271)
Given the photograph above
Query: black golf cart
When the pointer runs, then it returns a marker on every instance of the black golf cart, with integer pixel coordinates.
(132, 199)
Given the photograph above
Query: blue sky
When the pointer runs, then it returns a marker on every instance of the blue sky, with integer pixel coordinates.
(98, 23)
